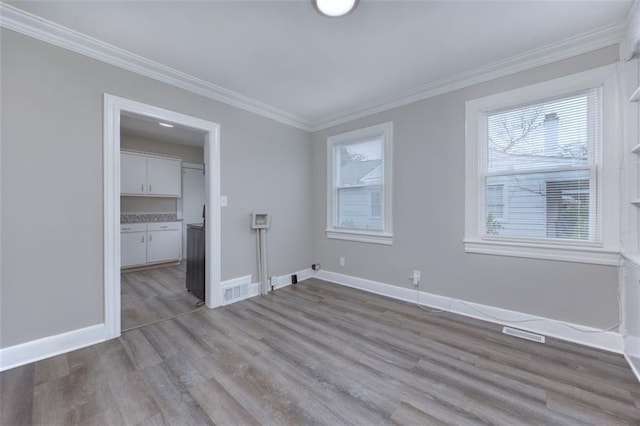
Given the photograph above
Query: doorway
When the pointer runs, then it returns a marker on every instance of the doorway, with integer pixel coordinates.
(155, 222)
(115, 108)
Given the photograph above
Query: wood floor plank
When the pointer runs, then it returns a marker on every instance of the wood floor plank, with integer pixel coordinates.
(16, 395)
(407, 414)
(382, 377)
(315, 353)
(153, 295)
(90, 394)
(139, 349)
(132, 397)
(51, 369)
(175, 402)
(221, 407)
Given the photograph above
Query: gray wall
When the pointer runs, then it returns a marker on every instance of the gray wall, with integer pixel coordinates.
(189, 154)
(428, 215)
(52, 198)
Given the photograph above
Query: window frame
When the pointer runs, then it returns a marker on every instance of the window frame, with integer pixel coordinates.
(605, 252)
(384, 131)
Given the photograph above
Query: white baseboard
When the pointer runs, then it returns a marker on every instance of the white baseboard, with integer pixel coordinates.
(254, 288)
(606, 340)
(285, 280)
(24, 353)
(632, 353)
(632, 346)
(634, 363)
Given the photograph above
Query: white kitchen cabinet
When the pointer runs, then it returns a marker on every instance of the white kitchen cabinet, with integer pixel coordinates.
(143, 244)
(133, 244)
(165, 242)
(133, 174)
(149, 175)
(164, 177)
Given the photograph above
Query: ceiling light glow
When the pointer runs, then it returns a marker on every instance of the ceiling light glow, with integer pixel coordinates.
(165, 124)
(334, 8)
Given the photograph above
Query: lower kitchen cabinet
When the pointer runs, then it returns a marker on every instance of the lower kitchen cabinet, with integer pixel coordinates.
(148, 243)
(133, 249)
(165, 242)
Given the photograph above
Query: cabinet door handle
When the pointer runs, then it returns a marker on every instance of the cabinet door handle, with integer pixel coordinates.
(149, 188)
(150, 237)
(142, 188)
(126, 229)
(143, 238)
(163, 227)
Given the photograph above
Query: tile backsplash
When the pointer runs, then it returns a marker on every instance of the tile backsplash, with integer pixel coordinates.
(147, 217)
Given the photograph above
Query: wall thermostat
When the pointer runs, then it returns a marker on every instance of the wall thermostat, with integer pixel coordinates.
(259, 220)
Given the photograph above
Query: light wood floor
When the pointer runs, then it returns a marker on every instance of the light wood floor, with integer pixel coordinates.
(153, 295)
(318, 353)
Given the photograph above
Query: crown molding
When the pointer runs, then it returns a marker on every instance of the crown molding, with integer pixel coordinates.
(630, 45)
(33, 26)
(587, 42)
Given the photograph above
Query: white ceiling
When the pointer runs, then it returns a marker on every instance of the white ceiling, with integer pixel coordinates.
(283, 54)
(138, 125)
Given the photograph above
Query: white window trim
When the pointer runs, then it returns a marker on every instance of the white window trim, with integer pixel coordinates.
(385, 131)
(605, 253)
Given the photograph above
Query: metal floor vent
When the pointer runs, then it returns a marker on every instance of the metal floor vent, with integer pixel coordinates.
(236, 292)
(523, 334)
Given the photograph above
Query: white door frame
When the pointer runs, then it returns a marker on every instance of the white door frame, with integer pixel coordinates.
(113, 107)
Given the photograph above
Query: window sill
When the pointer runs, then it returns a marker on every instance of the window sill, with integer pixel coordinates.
(634, 259)
(361, 236)
(596, 256)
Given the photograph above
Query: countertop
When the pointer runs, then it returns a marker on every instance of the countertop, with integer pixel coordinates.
(148, 217)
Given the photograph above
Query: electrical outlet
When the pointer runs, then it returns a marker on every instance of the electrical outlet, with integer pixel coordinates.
(342, 262)
(416, 277)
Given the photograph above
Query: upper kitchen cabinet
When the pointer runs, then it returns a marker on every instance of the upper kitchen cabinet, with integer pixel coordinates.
(150, 175)
(133, 174)
(164, 177)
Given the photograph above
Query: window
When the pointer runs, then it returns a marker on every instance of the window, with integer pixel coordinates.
(359, 185)
(495, 205)
(538, 152)
(537, 173)
(376, 203)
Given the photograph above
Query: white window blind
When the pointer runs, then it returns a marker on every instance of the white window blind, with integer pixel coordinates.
(540, 163)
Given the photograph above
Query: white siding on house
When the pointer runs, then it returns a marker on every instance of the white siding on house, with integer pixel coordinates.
(356, 208)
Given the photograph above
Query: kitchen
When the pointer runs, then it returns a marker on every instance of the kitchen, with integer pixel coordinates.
(162, 193)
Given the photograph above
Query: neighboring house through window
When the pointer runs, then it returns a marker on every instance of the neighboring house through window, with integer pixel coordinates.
(359, 185)
(376, 204)
(537, 175)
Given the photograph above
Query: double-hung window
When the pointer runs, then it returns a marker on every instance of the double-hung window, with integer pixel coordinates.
(537, 173)
(359, 185)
